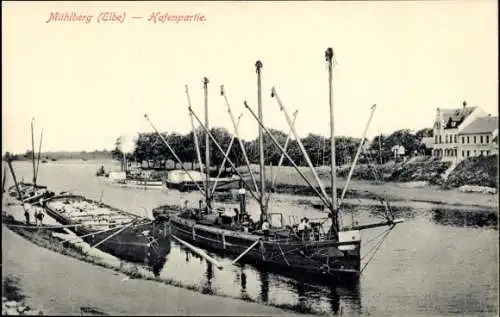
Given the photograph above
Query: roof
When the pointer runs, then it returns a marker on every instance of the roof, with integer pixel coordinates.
(452, 118)
(485, 124)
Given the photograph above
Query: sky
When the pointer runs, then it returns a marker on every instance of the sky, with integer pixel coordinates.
(88, 83)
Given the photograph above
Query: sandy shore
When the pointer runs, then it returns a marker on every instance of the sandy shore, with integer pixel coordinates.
(61, 285)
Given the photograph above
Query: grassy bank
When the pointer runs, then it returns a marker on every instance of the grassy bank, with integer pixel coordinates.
(480, 171)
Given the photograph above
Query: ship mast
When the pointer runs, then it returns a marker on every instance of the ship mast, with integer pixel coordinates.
(262, 174)
(33, 152)
(207, 145)
(334, 211)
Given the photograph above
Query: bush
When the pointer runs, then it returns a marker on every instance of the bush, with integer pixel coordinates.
(429, 171)
(480, 171)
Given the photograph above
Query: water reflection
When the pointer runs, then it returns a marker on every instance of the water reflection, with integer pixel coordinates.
(209, 274)
(243, 285)
(460, 218)
(264, 286)
(334, 301)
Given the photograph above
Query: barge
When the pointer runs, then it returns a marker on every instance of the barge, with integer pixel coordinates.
(120, 233)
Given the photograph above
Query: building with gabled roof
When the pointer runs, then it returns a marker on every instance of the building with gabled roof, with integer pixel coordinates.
(447, 125)
(478, 138)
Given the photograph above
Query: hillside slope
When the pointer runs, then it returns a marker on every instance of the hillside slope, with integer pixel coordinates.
(419, 169)
(479, 171)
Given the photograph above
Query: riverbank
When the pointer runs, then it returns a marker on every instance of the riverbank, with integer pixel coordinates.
(289, 181)
(63, 285)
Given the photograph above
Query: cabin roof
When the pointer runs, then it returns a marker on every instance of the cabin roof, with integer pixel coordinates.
(485, 124)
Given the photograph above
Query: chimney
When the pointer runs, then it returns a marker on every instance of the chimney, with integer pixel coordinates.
(441, 120)
(464, 104)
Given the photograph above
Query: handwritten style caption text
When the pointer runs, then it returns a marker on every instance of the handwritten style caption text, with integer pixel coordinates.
(121, 17)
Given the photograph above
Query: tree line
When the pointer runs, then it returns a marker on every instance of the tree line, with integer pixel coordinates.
(150, 148)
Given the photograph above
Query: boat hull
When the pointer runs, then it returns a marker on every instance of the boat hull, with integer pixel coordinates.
(141, 183)
(222, 185)
(31, 194)
(321, 259)
(130, 244)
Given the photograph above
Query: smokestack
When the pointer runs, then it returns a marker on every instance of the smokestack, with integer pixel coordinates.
(464, 104)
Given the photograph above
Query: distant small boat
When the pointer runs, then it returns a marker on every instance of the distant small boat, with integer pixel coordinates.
(53, 159)
(181, 180)
(124, 179)
(44, 161)
(100, 171)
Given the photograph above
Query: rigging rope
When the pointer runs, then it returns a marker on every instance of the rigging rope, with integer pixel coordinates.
(375, 237)
(377, 247)
(378, 177)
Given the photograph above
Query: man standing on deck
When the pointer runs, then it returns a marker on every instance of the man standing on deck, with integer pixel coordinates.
(307, 229)
(27, 216)
(265, 229)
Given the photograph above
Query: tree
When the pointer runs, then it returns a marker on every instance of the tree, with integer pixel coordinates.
(345, 149)
(424, 133)
(379, 152)
(313, 144)
(272, 152)
(28, 155)
(143, 149)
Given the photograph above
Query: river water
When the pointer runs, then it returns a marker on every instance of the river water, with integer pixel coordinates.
(430, 265)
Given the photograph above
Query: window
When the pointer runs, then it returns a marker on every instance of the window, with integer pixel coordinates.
(468, 141)
(446, 139)
(463, 140)
(474, 139)
(481, 153)
(481, 139)
(463, 153)
(487, 139)
(487, 153)
(455, 138)
(440, 139)
(468, 153)
(456, 152)
(436, 139)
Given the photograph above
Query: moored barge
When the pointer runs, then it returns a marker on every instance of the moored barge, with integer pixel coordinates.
(120, 233)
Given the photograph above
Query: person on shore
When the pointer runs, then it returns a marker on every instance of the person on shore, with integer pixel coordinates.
(39, 216)
(265, 228)
(27, 216)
